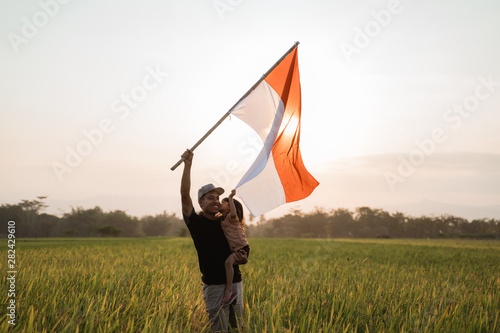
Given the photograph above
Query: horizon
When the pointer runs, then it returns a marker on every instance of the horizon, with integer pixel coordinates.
(417, 209)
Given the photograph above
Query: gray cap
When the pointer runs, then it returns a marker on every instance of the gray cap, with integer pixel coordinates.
(207, 188)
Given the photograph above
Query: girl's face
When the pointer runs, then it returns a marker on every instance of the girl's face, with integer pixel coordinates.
(224, 206)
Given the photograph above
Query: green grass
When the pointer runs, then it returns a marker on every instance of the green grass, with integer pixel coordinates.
(290, 285)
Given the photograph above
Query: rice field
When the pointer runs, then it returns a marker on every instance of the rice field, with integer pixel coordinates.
(290, 285)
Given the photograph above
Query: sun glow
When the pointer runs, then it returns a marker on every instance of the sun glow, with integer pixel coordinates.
(291, 127)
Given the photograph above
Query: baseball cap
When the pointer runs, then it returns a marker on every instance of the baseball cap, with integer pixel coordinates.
(207, 188)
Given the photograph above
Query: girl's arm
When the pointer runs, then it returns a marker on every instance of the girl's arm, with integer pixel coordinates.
(232, 207)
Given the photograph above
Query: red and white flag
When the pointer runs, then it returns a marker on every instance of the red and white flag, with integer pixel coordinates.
(272, 109)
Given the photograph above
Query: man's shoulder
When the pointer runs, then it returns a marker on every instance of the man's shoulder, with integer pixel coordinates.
(198, 217)
(188, 219)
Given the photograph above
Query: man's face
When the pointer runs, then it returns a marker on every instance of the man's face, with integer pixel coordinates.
(210, 203)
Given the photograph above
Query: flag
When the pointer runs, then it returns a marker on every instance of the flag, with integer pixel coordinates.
(272, 109)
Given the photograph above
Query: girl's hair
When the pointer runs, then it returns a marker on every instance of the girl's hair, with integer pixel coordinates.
(239, 210)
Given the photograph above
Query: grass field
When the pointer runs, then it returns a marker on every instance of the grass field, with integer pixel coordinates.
(290, 285)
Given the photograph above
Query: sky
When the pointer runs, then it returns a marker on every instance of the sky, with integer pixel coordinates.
(400, 101)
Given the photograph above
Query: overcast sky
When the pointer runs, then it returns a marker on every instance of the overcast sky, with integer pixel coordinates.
(400, 99)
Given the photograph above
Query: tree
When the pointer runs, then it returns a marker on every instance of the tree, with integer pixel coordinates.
(49, 225)
(109, 230)
(82, 222)
(317, 223)
(158, 225)
(127, 224)
(365, 217)
(31, 210)
(341, 222)
(12, 213)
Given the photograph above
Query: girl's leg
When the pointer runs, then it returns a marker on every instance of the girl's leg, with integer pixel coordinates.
(229, 275)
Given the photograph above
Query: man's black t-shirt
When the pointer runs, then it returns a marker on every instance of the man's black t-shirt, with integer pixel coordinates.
(212, 247)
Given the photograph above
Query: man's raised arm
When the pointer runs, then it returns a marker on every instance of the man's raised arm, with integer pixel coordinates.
(187, 203)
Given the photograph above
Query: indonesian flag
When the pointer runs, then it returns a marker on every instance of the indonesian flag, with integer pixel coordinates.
(272, 109)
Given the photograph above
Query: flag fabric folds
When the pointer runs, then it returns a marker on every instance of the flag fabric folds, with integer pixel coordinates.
(272, 109)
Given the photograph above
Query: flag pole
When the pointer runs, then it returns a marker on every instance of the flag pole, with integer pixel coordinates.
(231, 109)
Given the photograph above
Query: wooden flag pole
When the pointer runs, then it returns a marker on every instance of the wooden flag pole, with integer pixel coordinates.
(231, 109)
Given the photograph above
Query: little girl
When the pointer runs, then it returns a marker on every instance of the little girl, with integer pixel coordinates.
(234, 229)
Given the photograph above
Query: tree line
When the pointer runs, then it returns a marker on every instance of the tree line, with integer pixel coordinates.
(363, 222)
(32, 222)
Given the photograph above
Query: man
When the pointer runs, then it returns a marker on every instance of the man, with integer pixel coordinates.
(213, 249)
